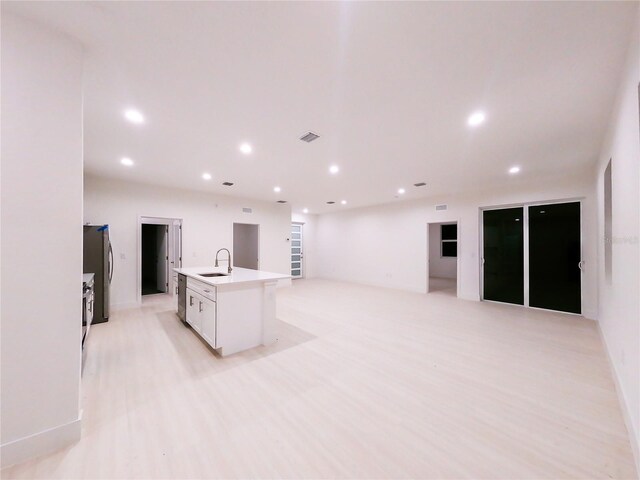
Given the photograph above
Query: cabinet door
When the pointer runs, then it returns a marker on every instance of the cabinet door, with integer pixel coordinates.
(193, 310)
(208, 317)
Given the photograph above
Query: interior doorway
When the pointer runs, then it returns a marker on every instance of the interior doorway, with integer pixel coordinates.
(159, 251)
(246, 246)
(442, 274)
(155, 259)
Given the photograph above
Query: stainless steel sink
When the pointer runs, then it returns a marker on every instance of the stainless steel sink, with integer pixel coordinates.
(213, 274)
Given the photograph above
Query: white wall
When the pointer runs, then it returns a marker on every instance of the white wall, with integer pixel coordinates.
(386, 245)
(207, 226)
(309, 244)
(41, 239)
(439, 266)
(619, 304)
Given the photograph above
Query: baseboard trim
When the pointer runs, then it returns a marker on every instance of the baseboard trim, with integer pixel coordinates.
(635, 442)
(40, 443)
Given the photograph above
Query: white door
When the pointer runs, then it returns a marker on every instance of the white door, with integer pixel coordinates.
(162, 261)
(296, 250)
(176, 254)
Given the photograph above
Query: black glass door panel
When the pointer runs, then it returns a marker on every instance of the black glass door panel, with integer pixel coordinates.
(503, 253)
(554, 256)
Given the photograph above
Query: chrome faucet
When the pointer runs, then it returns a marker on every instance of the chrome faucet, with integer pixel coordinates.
(228, 259)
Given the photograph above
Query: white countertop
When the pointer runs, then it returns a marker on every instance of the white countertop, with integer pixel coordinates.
(237, 275)
(87, 277)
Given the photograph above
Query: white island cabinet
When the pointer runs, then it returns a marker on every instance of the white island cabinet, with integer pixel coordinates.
(231, 311)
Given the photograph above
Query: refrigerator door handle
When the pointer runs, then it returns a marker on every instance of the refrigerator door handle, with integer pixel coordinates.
(110, 263)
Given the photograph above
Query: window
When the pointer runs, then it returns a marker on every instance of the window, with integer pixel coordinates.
(449, 240)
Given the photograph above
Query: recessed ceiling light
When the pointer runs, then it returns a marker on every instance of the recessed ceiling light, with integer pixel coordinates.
(246, 148)
(343, 202)
(206, 176)
(277, 189)
(401, 191)
(333, 169)
(305, 210)
(126, 161)
(476, 118)
(134, 116)
(514, 170)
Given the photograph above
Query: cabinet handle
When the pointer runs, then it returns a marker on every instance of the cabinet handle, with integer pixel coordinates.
(190, 301)
(176, 290)
(200, 308)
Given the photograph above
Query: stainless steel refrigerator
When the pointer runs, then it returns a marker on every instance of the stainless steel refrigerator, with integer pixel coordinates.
(98, 259)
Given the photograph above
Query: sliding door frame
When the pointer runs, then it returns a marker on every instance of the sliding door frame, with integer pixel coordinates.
(525, 207)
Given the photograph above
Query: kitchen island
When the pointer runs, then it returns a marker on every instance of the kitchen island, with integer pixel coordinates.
(230, 311)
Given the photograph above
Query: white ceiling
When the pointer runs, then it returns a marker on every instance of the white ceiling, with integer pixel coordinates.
(388, 86)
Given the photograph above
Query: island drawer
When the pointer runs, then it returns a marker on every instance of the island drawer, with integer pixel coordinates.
(207, 291)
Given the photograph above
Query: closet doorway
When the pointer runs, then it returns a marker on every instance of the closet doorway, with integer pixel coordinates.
(532, 256)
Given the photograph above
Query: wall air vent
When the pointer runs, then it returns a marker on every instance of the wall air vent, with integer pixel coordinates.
(281, 201)
(420, 184)
(246, 210)
(227, 184)
(309, 137)
(441, 207)
(330, 203)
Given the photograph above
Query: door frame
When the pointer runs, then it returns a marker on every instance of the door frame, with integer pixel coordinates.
(303, 267)
(232, 235)
(525, 232)
(172, 263)
(459, 247)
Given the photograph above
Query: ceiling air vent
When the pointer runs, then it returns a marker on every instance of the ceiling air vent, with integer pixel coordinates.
(420, 184)
(330, 203)
(281, 201)
(441, 207)
(227, 184)
(309, 137)
(246, 210)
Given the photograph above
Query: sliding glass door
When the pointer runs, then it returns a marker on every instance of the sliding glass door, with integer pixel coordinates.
(532, 256)
(554, 257)
(503, 255)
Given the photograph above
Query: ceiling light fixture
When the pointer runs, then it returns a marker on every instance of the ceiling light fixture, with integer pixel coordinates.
(206, 176)
(476, 118)
(333, 169)
(401, 191)
(126, 161)
(305, 210)
(246, 148)
(343, 202)
(514, 170)
(134, 116)
(277, 189)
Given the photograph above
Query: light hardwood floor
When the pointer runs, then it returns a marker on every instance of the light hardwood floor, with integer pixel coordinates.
(363, 383)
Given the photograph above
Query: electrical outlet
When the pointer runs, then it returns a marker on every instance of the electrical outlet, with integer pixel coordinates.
(122, 256)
